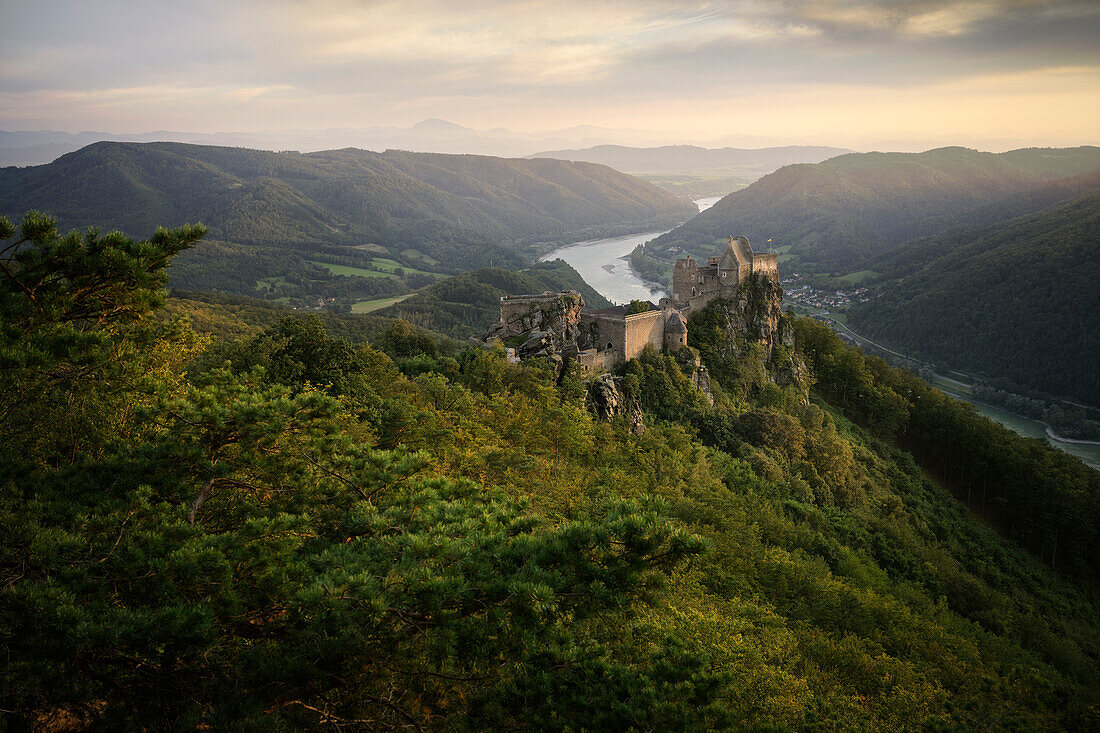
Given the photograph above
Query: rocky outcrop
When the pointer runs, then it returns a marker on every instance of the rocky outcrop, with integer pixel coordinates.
(606, 399)
(554, 315)
(692, 365)
(756, 314)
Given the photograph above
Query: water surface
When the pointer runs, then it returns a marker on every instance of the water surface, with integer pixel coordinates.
(600, 262)
(1087, 452)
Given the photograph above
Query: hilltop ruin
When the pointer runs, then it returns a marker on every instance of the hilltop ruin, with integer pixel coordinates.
(555, 325)
(693, 287)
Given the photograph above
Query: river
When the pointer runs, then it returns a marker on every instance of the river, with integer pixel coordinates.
(602, 264)
(1089, 453)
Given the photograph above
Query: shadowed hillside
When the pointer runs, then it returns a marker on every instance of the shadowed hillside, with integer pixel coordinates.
(836, 215)
(290, 226)
(1017, 300)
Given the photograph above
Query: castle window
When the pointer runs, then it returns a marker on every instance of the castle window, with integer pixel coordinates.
(610, 346)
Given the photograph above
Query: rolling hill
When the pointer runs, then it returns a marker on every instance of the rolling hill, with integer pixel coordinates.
(279, 221)
(1016, 300)
(468, 304)
(837, 215)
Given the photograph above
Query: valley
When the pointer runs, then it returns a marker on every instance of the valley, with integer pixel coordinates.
(550, 366)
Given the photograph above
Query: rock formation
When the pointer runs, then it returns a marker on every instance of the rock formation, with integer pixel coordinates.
(755, 314)
(606, 399)
(551, 319)
(692, 366)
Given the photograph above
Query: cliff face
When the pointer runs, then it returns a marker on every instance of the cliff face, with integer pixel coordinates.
(750, 328)
(755, 315)
(550, 323)
(606, 400)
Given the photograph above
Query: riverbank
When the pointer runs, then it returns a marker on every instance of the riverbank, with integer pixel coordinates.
(604, 264)
(1087, 450)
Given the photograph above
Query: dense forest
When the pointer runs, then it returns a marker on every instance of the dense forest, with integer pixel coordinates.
(337, 224)
(214, 518)
(1016, 300)
(836, 215)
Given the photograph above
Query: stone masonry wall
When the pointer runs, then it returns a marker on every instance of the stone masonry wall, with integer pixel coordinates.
(642, 329)
(765, 264)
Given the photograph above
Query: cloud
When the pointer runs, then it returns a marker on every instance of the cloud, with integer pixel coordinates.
(485, 63)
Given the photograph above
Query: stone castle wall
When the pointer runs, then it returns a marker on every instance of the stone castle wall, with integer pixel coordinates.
(693, 287)
(685, 276)
(594, 360)
(641, 329)
(766, 264)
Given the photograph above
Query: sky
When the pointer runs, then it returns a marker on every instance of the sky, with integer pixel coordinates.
(990, 73)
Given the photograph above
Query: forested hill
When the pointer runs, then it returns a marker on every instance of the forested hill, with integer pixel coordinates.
(468, 304)
(835, 215)
(1017, 300)
(271, 214)
(338, 196)
(281, 529)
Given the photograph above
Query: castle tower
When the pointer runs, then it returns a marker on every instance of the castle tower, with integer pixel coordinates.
(676, 333)
(686, 283)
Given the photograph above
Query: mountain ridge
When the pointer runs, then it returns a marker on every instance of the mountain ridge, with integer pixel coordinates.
(836, 215)
(427, 212)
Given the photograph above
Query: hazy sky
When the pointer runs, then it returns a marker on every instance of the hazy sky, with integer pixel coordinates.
(836, 72)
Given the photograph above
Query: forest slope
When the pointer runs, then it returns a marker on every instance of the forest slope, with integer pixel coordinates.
(1016, 300)
(836, 215)
(282, 217)
(468, 304)
(285, 529)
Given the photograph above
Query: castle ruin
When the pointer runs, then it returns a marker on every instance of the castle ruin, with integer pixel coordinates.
(553, 323)
(694, 286)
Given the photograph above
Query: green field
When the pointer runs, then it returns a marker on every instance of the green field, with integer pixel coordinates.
(367, 306)
(853, 278)
(391, 265)
(420, 255)
(354, 271)
(269, 281)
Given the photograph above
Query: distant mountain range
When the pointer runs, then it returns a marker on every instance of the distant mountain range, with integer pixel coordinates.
(276, 217)
(693, 172)
(836, 216)
(35, 147)
(693, 159)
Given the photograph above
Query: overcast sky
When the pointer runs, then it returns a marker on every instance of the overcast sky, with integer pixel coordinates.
(839, 72)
